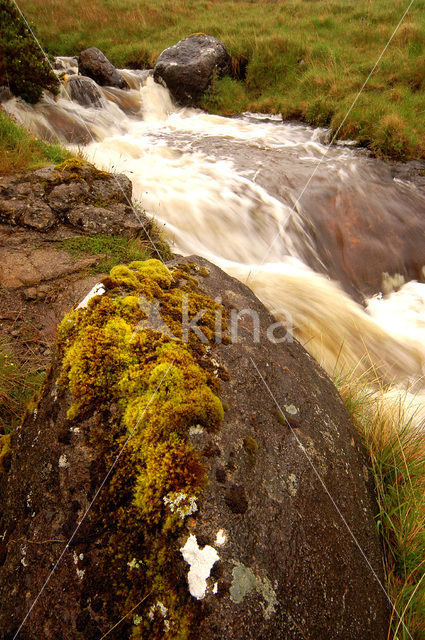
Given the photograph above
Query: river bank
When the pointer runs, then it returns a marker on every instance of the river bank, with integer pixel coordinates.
(304, 60)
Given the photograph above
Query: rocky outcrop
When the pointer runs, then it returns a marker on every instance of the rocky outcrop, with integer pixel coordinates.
(74, 194)
(248, 516)
(94, 64)
(85, 91)
(41, 212)
(187, 67)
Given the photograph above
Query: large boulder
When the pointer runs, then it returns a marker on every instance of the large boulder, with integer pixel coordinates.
(249, 516)
(94, 64)
(187, 67)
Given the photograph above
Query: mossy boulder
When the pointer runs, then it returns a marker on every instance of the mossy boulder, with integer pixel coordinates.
(185, 502)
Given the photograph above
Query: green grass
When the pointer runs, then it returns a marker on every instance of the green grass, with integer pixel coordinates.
(20, 151)
(115, 249)
(307, 59)
(18, 383)
(396, 450)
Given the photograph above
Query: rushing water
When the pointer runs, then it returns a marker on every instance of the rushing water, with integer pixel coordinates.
(258, 196)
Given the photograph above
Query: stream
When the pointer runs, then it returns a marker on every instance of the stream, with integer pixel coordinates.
(325, 236)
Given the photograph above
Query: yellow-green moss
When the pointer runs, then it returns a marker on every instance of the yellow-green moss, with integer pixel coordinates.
(160, 387)
(76, 166)
(4, 450)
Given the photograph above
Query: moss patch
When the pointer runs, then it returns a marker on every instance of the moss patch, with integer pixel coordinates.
(128, 379)
(4, 452)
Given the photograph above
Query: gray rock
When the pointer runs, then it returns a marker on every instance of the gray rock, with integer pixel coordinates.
(119, 189)
(85, 91)
(94, 64)
(99, 220)
(65, 195)
(187, 67)
(38, 215)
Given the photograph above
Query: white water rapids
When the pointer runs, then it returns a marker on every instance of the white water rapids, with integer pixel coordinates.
(227, 189)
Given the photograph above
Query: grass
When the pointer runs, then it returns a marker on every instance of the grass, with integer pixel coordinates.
(306, 59)
(391, 433)
(115, 249)
(19, 150)
(18, 382)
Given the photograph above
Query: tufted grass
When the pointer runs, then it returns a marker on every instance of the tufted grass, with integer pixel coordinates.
(116, 249)
(392, 432)
(19, 150)
(18, 382)
(307, 59)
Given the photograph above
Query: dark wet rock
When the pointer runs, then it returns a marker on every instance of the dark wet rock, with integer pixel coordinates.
(187, 67)
(360, 240)
(94, 64)
(85, 91)
(284, 564)
(5, 94)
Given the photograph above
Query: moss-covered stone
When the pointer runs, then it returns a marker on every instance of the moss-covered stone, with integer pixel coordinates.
(78, 169)
(4, 452)
(161, 388)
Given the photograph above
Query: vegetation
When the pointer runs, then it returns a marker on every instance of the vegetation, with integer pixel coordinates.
(306, 59)
(391, 433)
(113, 363)
(23, 66)
(18, 382)
(19, 150)
(115, 249)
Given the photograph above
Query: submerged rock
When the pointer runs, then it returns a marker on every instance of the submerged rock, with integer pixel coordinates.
(85, 91)
(187, 67)
(94, 64)
(243, 523)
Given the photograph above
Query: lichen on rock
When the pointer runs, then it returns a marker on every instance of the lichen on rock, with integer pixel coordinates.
(161, 388)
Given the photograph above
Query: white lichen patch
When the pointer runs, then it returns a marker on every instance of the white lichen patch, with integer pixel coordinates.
(54, 393)
(80, 572)
(162, 610)
(201, 562)
(221, 538)
(180, 503)
(215, 587)
(292, 484)
(98, 290)
(63, 461)
(24, 562)
(291, 409)
(34, 414)
(196, 430)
